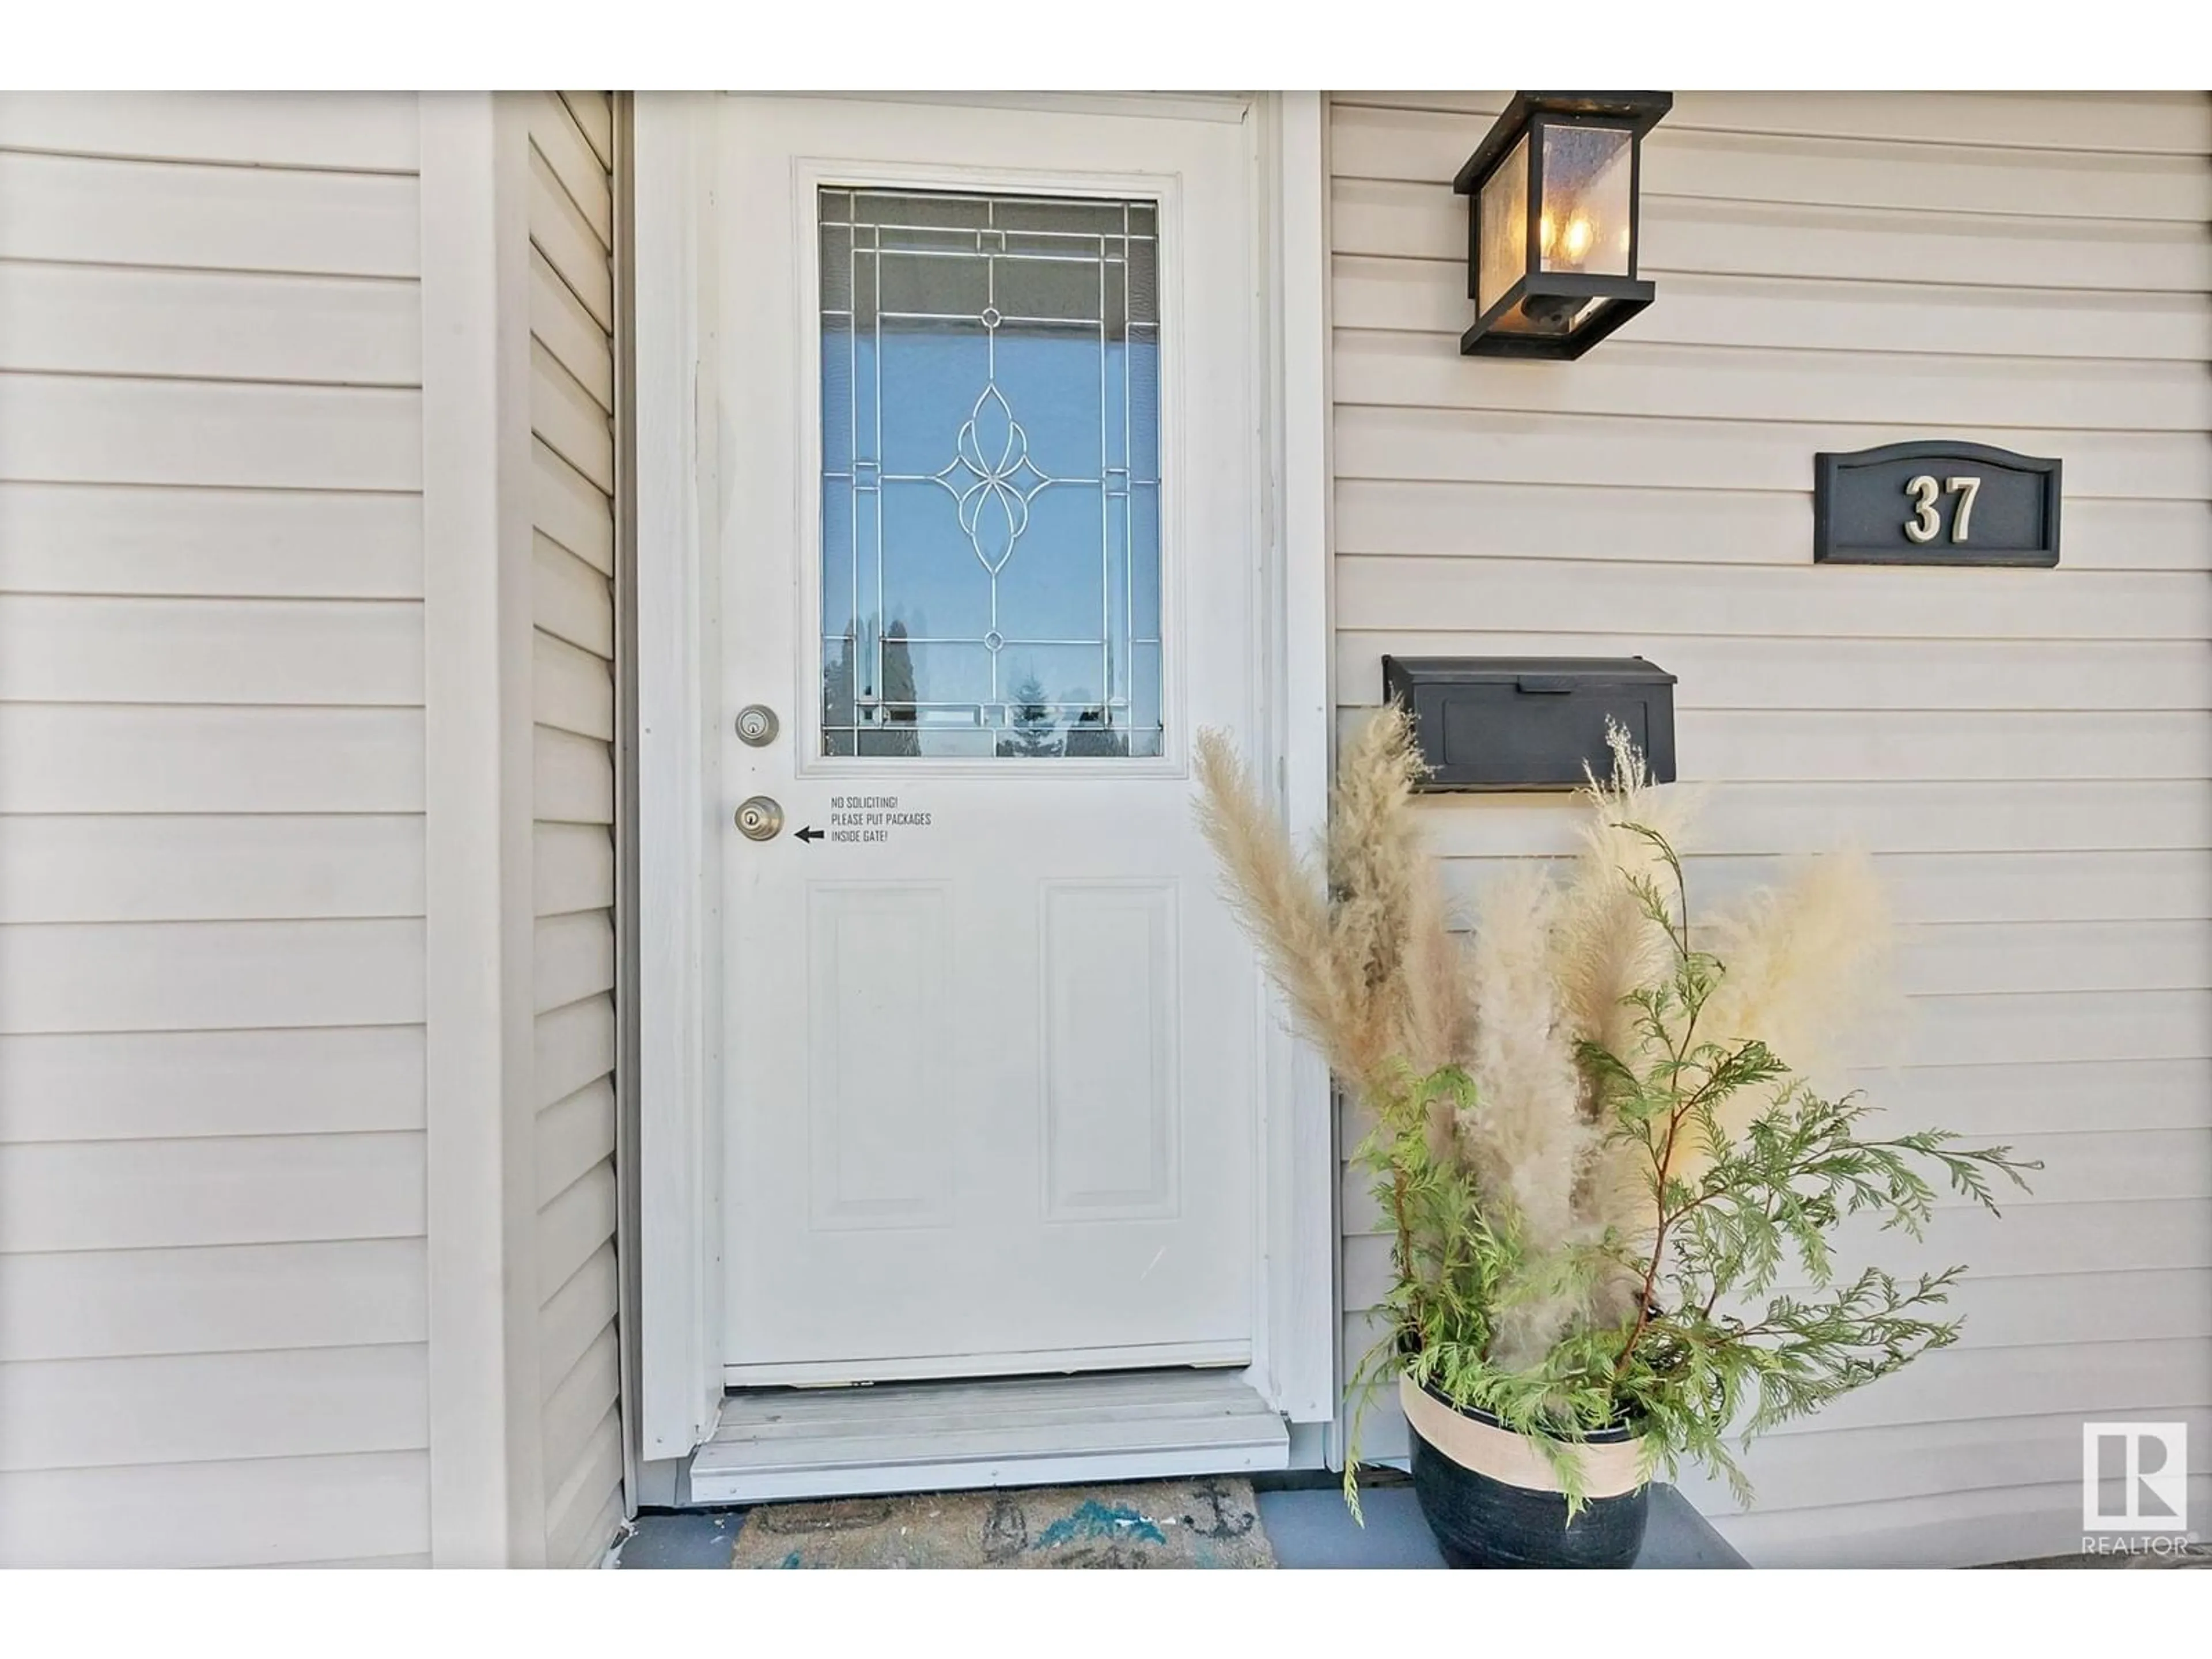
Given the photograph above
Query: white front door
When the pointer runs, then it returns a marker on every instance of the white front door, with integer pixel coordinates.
(988, 552)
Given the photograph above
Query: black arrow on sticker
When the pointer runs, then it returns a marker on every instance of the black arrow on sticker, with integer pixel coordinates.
(810, 833)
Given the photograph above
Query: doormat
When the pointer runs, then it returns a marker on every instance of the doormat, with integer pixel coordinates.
(1204, 1521)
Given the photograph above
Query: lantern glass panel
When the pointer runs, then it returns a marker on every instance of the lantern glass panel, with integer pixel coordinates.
(1503, 256)
(1589, 200)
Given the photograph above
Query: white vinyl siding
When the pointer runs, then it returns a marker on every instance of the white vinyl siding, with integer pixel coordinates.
(212, 1292)
(2028, 753)
(570, 207)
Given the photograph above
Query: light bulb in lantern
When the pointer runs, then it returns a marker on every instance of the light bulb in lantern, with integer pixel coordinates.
(1579, 237)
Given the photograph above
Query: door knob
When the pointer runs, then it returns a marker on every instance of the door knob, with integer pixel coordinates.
(756, 724)
(760, 819)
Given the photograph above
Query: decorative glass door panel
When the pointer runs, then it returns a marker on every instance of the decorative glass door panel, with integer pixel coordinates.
(990, 527)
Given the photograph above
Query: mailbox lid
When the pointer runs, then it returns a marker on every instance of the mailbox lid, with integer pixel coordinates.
(1531, 723)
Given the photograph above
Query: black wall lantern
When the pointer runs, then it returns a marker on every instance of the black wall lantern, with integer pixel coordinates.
(1552, 230)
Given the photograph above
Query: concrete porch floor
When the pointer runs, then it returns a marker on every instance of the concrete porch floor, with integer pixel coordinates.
(1305, 1519)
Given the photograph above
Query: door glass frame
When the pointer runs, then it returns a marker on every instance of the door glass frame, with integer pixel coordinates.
(811, 175)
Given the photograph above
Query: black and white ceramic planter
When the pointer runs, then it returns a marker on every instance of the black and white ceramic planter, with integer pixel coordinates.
(1493, 1499)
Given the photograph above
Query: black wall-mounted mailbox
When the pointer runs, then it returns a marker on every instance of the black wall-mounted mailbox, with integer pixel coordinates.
(1531, 722)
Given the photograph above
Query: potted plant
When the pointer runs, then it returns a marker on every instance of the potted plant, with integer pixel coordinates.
(1613, 1191)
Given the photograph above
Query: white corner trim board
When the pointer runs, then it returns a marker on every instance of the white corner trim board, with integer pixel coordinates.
(486, 1507)
(1305, 1310)
(680, 1382)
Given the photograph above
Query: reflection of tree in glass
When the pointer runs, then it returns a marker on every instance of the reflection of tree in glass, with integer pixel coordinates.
(899, 734)
(837, 699)
(1091, 736)
(1037, 733)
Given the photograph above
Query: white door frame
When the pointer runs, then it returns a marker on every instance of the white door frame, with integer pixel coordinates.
(680, 803)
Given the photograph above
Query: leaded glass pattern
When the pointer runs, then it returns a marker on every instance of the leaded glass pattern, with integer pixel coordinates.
(990, 475)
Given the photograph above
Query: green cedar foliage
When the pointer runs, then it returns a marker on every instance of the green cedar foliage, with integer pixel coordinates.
(1694, 1360)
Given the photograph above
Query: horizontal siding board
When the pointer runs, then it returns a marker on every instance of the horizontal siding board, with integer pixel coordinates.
(1834, 314)
(1753, 746)
(316, 330)
(2029, 1240)
(2149, 1318)
(576, 1224)
(568, 154)
(574, 690)
(1923, 1460)
(1927, 889)
(71, 430)
(2030, 1244)
(1987, 1527)
(264, 1511)
(2087, 1166)
(1973, 1030)
(577, 1317)
(1976, 959)
(210, 976)
(1867, 601)
(2158, 122)
(109, 648)
(90, 1305)
(183, 1408)
(559, 322)
(561, 232)
(1449, 518)
(2077, 185)
(97, 538)
(581, 1512)
(568, 422)
(573, 1045)
(100, 868)
(119, 1195)
(171, 1084)
(572, 777)
(2001, 1098)
(1757, 671)
(1682, 235)
(1962, 1385)
(365, 131)
(573, 869)
(1429, 146)
(61, 758)
(587, 1391)
(573, 601)
(574, 1134)
(569, 509)
(594, 112)
(1904, 817)
(1697, 382)
(2163, 124)
(1488, 446)
(2169, 1304)
(595, 1539)
(79, 211)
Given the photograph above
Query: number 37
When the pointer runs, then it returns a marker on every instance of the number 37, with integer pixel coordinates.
(1926, 522)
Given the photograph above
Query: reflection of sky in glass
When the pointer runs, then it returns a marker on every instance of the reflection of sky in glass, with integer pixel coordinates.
(990, 513)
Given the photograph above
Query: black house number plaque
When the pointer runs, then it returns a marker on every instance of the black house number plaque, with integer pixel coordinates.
(1935, 503)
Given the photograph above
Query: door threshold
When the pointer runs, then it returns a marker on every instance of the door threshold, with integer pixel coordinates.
(774, 1444)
